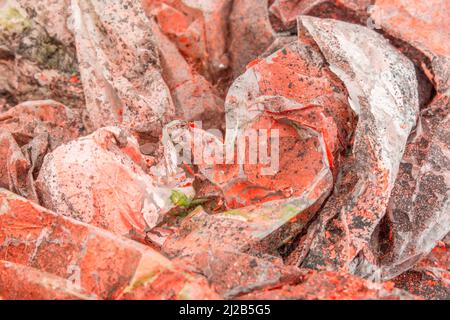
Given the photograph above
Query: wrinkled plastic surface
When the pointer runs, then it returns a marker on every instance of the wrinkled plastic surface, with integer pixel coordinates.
(360, 186)
(107, 185)
(95, 260)
(382, 87)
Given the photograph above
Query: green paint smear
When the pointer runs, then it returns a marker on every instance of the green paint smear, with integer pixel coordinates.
(179, 199)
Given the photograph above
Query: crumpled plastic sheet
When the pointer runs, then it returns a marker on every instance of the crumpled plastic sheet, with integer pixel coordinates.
(30, 119)
(19, 282)
(382, 87)
(347, 199)
(230, 271)
(312, 121)
(406, 102)
(95, 261)
(418, 214)
(329, 285)
(250, 32)
(194, 97)
(15, 167)
(430, 278)
(27, 132)
(198, 29)
(232, 249)
(285, 12)
(121, 86)
(424, 27)
(100, 179)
